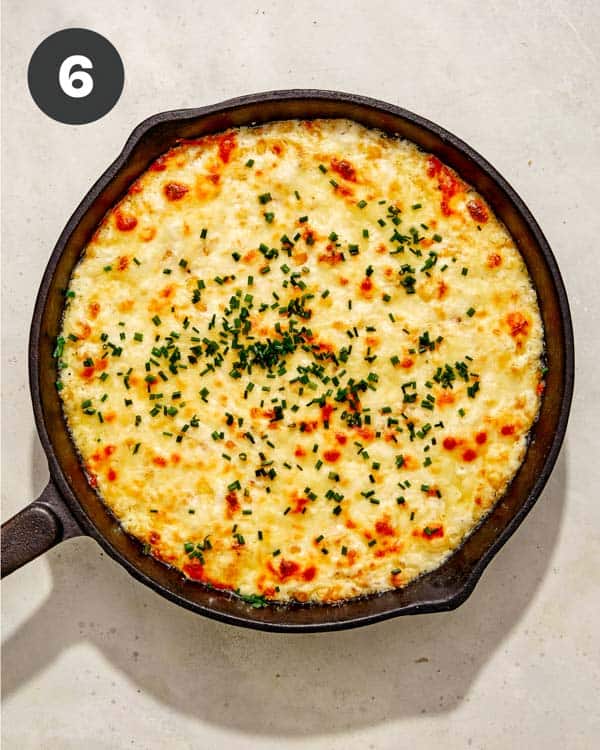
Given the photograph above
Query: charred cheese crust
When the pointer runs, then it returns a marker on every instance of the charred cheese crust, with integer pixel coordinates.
(300, 361)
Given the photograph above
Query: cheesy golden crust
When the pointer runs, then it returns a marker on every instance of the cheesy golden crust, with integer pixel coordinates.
(300, 361)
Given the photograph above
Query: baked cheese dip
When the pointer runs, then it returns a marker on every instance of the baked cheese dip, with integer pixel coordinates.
(300, 361)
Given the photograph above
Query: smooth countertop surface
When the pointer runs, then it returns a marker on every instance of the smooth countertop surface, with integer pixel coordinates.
(92, 659)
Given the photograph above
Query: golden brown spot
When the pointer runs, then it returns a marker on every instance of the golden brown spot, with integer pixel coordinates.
(410, 462)
(160, 164)
(332, 256)
(83, 330)
(478, 211)
(300, 258)
(518, 324)
(175, 191)
(384, 527)
(125, 222)
(299, 504)
(343, 190)
(366, 433)
(232, 503)
(344, 168)
(227, 144)
(432, 532)
(287, 569)
(94, 309)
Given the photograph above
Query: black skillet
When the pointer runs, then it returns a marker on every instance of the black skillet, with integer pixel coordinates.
(69, 507)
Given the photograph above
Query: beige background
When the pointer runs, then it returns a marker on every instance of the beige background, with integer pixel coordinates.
(93, 660)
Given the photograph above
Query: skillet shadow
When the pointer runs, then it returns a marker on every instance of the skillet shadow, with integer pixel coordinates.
(247, 680)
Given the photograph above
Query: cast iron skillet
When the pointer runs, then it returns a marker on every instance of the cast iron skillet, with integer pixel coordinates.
(69, 507)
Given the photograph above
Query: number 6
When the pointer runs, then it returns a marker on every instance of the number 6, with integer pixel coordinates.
(66, 78)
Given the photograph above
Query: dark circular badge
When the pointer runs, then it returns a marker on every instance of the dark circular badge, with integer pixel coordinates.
(75, 76)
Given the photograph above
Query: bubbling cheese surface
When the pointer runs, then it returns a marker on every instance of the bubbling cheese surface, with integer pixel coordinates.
(300, 361)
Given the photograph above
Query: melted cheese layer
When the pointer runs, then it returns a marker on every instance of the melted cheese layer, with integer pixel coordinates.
(300, 361)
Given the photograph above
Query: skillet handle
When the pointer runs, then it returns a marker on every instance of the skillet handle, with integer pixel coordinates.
(35, 529)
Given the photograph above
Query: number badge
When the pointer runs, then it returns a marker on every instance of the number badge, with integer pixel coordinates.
(75, 76)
